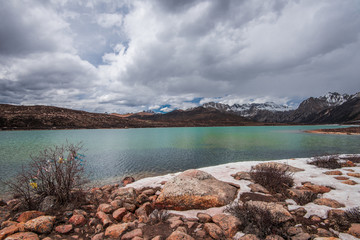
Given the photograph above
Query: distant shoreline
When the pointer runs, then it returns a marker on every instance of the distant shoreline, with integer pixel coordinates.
(337, 131)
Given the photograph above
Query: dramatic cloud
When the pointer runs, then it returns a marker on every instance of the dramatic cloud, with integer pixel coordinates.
(129, 56)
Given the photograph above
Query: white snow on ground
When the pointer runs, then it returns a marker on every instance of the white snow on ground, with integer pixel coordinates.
(343, 193)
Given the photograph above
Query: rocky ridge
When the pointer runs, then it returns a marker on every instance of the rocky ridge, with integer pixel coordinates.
(131, 212)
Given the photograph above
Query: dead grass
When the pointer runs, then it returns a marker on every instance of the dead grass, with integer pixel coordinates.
(330, 162)
(274, 179)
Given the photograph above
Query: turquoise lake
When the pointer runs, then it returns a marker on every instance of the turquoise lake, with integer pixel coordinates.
(112, 154)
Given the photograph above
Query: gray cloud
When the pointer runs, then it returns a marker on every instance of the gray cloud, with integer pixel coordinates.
(135, 55)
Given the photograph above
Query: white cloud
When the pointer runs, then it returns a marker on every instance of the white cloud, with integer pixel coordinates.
(137, 55)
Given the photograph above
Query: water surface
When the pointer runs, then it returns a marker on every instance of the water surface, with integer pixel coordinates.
(113, 153)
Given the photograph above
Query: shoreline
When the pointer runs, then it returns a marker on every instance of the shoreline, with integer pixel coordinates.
(334, 195)
(337, 131)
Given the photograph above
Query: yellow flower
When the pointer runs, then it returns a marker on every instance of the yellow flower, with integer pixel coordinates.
(33, 184)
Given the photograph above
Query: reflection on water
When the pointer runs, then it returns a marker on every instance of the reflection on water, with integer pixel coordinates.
(113, 153)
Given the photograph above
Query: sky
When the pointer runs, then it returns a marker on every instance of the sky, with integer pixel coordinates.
(129, 55)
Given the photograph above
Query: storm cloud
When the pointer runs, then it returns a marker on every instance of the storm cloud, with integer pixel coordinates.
(126, 56)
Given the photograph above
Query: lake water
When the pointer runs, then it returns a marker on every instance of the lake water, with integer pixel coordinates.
(112, 154)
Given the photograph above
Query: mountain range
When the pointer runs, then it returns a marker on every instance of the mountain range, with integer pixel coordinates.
(329, 109)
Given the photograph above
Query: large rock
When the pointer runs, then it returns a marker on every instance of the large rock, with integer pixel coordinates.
(43, 224)
(195, 189)
(278, 213)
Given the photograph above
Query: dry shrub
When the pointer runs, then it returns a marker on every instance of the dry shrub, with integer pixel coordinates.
(56, 171)
(273, 178)
(305, 198)
(255, 220)
(353, 214)
(330, 162)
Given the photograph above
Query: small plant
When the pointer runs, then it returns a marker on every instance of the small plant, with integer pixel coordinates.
(273, 178)
(56, 171)
(330, 162)
(158, 216)
(258, 221)
(353, 214)
(305, 198)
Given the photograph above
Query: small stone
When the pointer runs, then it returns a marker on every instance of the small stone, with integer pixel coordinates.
(177, 235)
(336, 172)
(341, 178)
(104, 218)
(132, 234)
(149, 192)
(328, 202)
(300, 212)
(79, 211)
(200, 234)
(42, 224)
(316, 188)
(127, 180)
(349, 170)
(142, 198)
(228, 223)
(23, 236)
(315, 218)
(355, 230)
(214, 230)
(119, 214)
(28, 215)
(301, 236)
(357, 175)
(130, 207)
(175, 223)
(348, 163)
(77, 220)
(294, 230)
(349, 182)
(241, 176)
(98, 236)
(8, 231)
(258, 188)
(249, 237)
(274, 237)
(106, 208)
(190, 224)
(182, 229)
(157, 238)
(116, 204)
(203, 217)
(116, 230)
(7, 224)
(129, 217)
(324, 233)
(66, 228)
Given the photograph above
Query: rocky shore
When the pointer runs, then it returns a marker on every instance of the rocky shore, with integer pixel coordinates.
(340, 131)
(199, 204)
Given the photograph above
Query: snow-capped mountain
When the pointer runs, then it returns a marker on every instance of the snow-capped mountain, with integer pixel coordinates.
(247, 109)
(309, 111)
